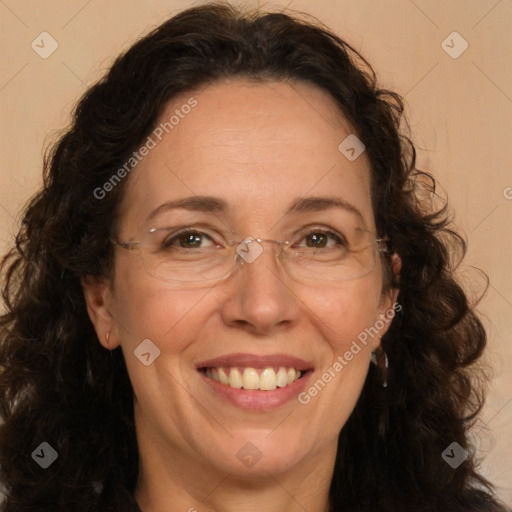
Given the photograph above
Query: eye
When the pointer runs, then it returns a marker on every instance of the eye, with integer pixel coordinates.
(186, 239)
(318, 239)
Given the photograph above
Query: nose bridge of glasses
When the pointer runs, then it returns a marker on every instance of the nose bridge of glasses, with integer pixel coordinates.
(250, 249)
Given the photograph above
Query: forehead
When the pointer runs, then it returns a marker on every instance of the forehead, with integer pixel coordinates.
(257, 146)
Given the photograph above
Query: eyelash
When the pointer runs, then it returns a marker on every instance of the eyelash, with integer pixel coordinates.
(167, 242)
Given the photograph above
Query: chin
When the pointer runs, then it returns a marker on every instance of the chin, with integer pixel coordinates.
(250, 456)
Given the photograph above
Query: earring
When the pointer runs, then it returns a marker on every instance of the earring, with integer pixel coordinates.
(380, 359)
(107, 337)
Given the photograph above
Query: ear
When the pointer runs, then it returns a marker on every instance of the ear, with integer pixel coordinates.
(388, 305)
(98, 298)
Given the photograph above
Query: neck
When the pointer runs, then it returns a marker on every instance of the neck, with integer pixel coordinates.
(232, 494)
(173, 481)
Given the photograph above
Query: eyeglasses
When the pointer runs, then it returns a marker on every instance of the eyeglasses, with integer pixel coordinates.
(181, 256)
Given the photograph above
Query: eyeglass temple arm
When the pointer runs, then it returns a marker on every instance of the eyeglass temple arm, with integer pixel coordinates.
(125, 245)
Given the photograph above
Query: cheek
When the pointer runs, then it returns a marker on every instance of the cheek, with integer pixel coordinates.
(343, 318)
(147, 308)
(345, 313)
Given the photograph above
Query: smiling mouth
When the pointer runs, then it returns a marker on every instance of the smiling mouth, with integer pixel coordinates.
(263, 379)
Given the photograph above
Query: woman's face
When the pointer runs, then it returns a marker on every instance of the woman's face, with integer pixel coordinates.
(258, 148)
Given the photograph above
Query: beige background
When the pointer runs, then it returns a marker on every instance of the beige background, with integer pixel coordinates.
(460, 112)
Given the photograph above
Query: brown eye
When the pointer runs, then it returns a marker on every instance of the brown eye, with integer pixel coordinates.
(319, 239)
(189, 239)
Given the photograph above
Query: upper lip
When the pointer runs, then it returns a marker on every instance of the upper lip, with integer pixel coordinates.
(257, 361)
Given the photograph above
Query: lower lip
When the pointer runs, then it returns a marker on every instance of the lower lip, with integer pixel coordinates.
(258, 400)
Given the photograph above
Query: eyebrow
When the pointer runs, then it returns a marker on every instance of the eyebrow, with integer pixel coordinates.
(210, 204)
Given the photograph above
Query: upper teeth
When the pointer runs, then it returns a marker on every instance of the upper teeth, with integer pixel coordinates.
(251, 378)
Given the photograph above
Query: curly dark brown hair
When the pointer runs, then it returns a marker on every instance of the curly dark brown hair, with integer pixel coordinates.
(58, 384)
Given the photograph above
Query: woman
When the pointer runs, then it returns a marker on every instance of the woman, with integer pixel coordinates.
(229, 235)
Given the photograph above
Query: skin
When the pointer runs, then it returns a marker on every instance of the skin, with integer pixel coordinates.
(259, 147)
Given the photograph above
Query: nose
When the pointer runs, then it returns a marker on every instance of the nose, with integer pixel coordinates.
(261, 297)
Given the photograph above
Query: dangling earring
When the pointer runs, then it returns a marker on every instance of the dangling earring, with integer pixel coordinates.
(380, 359)
(107, 337)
